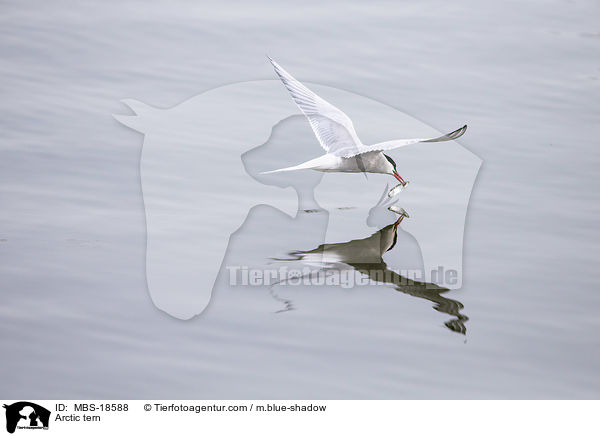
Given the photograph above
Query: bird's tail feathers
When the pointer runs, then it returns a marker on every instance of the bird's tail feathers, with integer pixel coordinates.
(308, 165)
(280, 170)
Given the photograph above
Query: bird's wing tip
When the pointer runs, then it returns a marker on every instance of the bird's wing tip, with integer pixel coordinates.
(457, 133)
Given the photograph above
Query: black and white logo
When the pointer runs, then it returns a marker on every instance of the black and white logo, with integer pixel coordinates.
(26, 415)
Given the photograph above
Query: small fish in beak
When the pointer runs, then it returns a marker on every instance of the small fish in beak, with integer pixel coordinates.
(397, 189)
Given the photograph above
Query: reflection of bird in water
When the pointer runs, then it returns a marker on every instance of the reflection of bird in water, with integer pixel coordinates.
(344, 150)
(366, 256)
(379, 272)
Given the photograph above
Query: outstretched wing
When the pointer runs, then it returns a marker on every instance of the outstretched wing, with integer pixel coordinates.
(389, 145)
(333, 128)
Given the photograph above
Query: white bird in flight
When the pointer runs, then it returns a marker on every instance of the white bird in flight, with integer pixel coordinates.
(344, 151)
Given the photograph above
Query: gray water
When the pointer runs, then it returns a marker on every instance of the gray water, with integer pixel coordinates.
(76, 315)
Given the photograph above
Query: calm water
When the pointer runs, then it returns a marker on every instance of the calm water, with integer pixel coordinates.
(76, 314)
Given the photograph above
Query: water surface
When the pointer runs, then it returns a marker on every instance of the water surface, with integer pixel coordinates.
(76, 315)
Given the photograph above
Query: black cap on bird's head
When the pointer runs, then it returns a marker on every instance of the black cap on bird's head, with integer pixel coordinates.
(391, 161)
(394, 172)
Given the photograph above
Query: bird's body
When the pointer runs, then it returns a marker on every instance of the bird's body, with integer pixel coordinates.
(333, 128)
(370, 162)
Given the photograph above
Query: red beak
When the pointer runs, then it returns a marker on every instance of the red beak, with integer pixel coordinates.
(397, 176)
